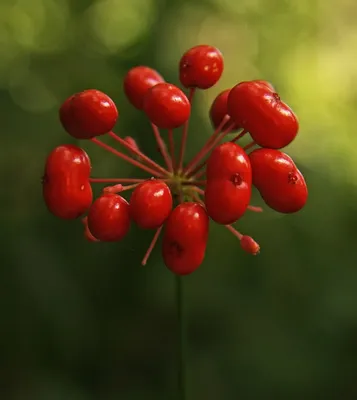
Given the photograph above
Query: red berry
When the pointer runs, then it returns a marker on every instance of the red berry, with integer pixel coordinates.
(258, 109)
(108, 218)
(219, 110)
(267, 84)
(66, 189)
(150, 204)
(68, 159)
(201, 67)
(226, 161)
(88, 114)
(227, 199)
(280, 183)
(249, 245)
(166, 106)
(182, 260)
(185, 238)
(229, 180)
(137, 82)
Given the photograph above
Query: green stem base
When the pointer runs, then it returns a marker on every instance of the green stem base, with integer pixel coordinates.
(181, 376)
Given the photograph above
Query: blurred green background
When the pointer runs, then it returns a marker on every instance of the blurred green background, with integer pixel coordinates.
(83, 321)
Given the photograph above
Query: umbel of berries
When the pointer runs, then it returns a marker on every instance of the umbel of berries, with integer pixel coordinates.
(179, 199)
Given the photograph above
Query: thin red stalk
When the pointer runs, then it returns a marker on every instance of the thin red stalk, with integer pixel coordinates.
(114, 189)
(162, 147)
(197, 169)
(119, 188)
(199, 174)
(140, 154)
(255, 209)
(87, 233)
(223, 132)
(211, 146)
(185, 133)
(198, 190)
(239, 136)
(125, 157)
(197, 183)
(249, 145)
(129, 187)
(181, 197)
(234, 231)
(114, 180)
(172, 149)
(152, 245)
(206, 147)
(197, 199)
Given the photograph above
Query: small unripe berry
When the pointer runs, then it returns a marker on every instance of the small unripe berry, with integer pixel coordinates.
(249, 245)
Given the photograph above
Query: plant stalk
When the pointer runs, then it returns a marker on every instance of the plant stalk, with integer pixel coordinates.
(182, 388)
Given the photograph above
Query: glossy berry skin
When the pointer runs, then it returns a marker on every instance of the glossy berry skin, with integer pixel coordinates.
(259, 110)
(108, 218)
(226, 161)
(267, 84)
(88, 114)
(65, 187)
(185, 238)
(167, 106)
(280, 183)
(229, 180)
(67, 159)
(227, 199)
(150, 204)
(138, 81)
(201, 67)
(219, 110)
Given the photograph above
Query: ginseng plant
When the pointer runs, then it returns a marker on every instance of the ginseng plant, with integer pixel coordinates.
(178, 200)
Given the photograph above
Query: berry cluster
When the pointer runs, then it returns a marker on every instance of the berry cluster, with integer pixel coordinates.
(180, 198)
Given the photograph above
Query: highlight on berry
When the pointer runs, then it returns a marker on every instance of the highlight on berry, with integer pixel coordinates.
(181, 198)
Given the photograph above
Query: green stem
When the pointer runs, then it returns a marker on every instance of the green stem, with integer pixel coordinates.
(182, 395)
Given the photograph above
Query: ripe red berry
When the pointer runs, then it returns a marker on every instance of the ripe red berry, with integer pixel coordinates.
(88, 114)
(108, 218)
(150, 204)
(185, 238)
(258, 109)
(281, 185)
(137, 82)
(219, 110)
(267, 84)
(201, 67)
(226, 161)
(166, 106)
(227, 199)
(229, 180)
(65, 185)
